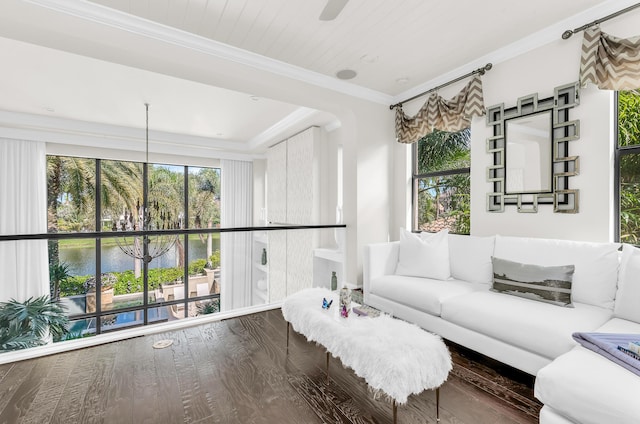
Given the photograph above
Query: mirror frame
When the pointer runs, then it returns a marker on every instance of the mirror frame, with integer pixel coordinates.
(564, 166)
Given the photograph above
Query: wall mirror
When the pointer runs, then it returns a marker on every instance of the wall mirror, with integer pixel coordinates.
(530, 152)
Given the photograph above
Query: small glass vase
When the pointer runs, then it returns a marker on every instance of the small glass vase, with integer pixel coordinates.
(345, 302)
(334, 281)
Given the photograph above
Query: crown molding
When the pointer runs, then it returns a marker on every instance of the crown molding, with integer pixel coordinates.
(543, 37)
(133, 24)
(25, 126)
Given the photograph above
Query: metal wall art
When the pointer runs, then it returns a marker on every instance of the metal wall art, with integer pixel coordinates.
(530, 150)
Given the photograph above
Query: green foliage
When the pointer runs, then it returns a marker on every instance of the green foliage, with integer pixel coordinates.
(214, 259)
(628, 118)
(197, 266)
(25, 324)
(73, 286)
(444, 201)
(630, 212)
(209, 307)
(58, 274)
(441, 150)
(629, 136)
(204, 196)
(126, 282)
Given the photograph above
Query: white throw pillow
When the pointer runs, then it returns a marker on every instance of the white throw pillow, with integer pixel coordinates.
(425, 255)
(470, 258)
(628, 294)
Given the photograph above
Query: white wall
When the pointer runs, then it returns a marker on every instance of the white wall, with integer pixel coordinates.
(594, 147)
(540, 71)
(259, 190)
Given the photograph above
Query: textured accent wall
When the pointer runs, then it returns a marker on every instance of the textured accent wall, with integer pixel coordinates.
(277, 212)
(292, 198)
(277, 183)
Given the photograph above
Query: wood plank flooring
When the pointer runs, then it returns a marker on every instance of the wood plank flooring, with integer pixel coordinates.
(238, 371)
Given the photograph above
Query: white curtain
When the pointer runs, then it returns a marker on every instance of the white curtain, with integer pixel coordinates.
(235, 248)
(23, 210)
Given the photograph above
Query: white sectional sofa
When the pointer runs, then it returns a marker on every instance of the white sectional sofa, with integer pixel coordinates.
(576, 385)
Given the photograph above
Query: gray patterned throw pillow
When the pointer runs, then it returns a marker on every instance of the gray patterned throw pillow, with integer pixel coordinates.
(551, 284)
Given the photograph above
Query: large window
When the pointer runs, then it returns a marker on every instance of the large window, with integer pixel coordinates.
(628, 167)
(102, 287)
(441, 183)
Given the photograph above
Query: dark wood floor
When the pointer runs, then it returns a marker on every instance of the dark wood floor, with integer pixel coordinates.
(238, 371)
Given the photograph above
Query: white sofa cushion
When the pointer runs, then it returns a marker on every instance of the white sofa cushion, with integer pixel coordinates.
(423, 294)
(470, 258)
(619, 325)
(425, 255)
(548, 415)
(596, 274)
(588, 388)
(538, 327)
(628, 294)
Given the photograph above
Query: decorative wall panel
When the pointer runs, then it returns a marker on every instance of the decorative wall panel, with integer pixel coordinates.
(277, 212)
(292, 198)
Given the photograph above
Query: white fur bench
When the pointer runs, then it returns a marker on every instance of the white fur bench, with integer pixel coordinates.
(394, 357)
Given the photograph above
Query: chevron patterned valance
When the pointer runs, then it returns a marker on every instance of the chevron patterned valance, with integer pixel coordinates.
(610, 62)
(445, 115)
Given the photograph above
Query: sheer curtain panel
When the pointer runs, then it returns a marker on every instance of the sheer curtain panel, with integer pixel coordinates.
(236, 192)
(23, 210)
(610, 62)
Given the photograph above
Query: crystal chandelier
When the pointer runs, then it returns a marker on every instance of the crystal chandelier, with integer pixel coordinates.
(146, 247)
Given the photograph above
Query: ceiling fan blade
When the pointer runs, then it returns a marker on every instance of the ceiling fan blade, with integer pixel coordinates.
(332, 9)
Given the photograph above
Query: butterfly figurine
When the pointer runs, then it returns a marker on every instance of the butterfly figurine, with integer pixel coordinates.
(325, 304)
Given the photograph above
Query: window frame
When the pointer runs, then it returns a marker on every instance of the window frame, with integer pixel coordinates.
(619, 153)
(416, 177)
(99, 234)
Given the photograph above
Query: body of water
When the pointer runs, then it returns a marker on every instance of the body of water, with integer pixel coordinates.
(82, 260)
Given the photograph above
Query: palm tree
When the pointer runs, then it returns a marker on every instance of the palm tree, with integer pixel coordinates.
(72, 181)
(204, 201)
(166, 202)
(58, 273)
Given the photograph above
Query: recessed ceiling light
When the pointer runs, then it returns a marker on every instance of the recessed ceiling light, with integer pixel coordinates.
(368, 58)
(48, 108)
(402, 80)
(346, 74)
(254, 98)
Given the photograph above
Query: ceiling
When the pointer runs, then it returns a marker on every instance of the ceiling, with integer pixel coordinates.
(383, 41)
(396, 47)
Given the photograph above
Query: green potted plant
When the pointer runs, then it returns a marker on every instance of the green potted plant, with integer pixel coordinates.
(26, 324)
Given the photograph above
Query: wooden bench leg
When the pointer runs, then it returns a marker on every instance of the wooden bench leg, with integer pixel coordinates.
(395, 412)
(327, 366)
(438, 404)
(288, 325)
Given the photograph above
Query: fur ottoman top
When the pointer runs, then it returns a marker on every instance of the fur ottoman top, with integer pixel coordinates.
(394, 357)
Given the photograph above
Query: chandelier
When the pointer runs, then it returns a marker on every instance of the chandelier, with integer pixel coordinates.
(146, 247)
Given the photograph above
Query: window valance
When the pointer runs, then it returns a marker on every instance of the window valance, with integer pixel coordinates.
(441, 114)
(610, 62)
